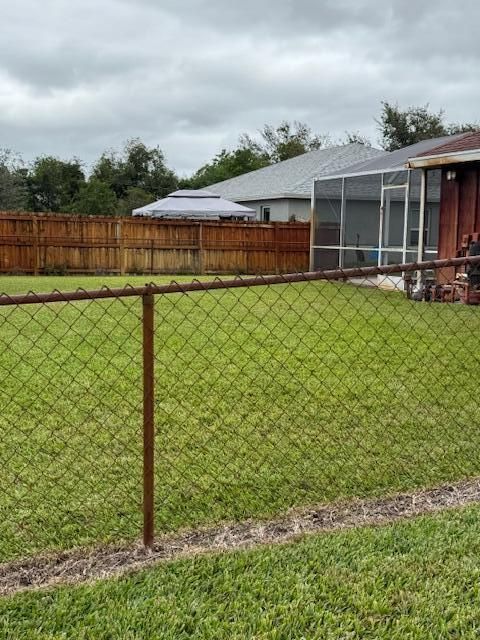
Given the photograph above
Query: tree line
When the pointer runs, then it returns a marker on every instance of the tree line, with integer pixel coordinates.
(138, 174)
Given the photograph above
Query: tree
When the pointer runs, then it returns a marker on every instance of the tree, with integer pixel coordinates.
(137, 166)
(134, 198)
(94, 198)
(276, 144)
(402, 128)
(13, 188)
(466, 127)
(107, 170)
(355, 137)
(53, 184)
(285, 141)
(225, 165)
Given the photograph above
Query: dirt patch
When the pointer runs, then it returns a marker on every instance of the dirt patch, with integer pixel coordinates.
(87, 565)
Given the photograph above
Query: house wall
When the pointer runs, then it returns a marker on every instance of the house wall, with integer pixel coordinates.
(281, 209)
(301, 209)
(459, 211)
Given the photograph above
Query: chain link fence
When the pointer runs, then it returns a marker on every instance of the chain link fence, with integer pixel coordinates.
(161, 408)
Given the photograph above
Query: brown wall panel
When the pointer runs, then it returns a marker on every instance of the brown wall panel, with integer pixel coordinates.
(467, 203)
(459, 209)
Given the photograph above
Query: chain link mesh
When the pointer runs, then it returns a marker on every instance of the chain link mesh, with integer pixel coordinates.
(289, 393)
(70, 452)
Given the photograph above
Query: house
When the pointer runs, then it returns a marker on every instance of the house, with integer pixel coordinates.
(282, 191)
(399, 207)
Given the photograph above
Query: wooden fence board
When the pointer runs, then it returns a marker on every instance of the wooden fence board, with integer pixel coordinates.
(41, 243)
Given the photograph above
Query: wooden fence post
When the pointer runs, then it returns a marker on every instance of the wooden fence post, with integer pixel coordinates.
(275, 240)
(36, 256)
(200, 247)
(121, 248)
(148, 302)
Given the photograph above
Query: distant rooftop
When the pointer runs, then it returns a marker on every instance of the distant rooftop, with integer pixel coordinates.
(293, 178)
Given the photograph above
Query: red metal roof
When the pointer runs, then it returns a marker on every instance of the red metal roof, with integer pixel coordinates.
(467, 142)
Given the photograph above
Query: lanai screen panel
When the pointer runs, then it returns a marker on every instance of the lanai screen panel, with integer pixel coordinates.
(327, 223)
(400, 237)
(402, 245)
(432, 207)
(364, 220)
(361, 220)
(394, 210)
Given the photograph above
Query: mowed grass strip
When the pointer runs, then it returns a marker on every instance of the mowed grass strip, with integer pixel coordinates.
(417, 579)
(266, 398)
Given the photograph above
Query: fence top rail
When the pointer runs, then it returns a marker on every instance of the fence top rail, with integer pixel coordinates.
(28, 216)
(237, 282)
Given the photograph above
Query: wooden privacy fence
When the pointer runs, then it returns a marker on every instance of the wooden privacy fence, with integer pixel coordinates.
(49, 243)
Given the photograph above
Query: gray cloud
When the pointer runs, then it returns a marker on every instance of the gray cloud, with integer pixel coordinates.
(81, 76)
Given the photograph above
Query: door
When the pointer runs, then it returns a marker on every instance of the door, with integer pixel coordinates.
(393, 231)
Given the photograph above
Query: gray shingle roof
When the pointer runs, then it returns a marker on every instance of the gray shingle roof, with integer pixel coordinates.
(395, 160)
(294, 177)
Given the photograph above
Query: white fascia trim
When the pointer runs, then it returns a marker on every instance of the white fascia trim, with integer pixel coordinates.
(361, 173)
(443, 159)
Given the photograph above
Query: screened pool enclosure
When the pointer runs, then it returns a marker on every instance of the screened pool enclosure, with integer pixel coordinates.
(382, 215)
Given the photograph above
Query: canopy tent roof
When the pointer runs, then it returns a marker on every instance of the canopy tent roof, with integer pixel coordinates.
(189, 203)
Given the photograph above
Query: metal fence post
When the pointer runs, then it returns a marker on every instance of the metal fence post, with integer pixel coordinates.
(148, 419)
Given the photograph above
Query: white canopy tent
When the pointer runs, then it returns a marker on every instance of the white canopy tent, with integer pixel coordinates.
(197, 204)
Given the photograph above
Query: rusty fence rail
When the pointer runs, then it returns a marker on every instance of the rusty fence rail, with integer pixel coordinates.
(256, 395)
(238, 282)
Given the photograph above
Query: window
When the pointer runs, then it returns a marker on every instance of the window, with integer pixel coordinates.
(265, 212)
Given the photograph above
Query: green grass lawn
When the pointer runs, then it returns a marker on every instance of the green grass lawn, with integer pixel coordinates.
(266, 399)
(412, 580)
(23, 284)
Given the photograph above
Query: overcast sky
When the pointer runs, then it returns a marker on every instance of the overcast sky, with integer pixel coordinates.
(79, 76)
